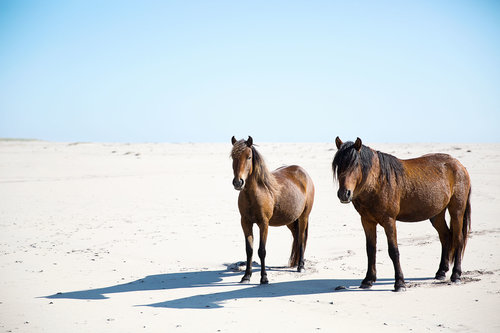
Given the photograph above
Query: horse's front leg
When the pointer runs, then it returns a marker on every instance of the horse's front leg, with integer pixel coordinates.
(247, 230)
(262, 252)
(370, 228)
(392, 242)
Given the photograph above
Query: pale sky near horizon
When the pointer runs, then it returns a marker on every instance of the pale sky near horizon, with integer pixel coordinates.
(282, 71)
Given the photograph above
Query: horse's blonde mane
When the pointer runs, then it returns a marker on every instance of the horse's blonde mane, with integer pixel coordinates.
(238, 149)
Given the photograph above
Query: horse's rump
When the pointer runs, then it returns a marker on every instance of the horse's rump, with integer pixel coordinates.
(294, 194)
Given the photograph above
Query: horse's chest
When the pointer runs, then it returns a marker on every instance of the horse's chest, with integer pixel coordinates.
(255, 208)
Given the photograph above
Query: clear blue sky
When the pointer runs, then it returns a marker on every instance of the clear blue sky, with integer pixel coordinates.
(202, 71)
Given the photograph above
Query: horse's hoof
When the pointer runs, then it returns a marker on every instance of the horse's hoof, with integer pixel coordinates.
(398, 289)
(455, 278)
(264, 280)
(300, 269)
(245, 280)
(367, 283)
(440, 276)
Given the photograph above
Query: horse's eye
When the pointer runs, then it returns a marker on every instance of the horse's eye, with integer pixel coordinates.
(249, 157)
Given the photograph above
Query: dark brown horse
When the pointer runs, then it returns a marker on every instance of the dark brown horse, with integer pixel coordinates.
(384, 189)
(282, 197)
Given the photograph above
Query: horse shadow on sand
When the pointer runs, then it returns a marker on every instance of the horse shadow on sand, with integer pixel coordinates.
(215, 278)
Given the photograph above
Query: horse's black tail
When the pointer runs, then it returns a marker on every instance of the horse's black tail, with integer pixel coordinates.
(295, 255)
(466, 225)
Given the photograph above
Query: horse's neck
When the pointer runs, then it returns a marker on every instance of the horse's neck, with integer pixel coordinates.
(262, 182)
(372, 182)
(376, 182)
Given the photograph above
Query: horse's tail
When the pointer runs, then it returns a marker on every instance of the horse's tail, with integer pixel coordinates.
(295, 255)
(467, 222)
(466, 225)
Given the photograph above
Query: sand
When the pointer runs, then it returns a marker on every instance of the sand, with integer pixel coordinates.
(98, 237)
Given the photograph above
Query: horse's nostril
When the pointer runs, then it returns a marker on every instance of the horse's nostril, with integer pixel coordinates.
(238, 183)
(344, 195)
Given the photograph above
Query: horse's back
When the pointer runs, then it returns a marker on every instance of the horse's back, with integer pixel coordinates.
(294, 174)
(431, 181)
(436, 167)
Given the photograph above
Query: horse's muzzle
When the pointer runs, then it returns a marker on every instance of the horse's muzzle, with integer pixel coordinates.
(238, 184)
(344, 195)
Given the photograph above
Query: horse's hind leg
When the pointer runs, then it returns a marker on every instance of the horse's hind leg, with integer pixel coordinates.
(457, 239)
(439, 223)
(459, 209)
(302, 241)
(294, 229)
(299, 229)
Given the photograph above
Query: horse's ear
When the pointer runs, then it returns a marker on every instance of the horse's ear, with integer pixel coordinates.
(233, 140)
(358, 144)
(249, 141)
(338, 142)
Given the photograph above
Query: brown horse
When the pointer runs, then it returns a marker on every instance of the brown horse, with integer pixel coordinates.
(384, 189)
(282, 197)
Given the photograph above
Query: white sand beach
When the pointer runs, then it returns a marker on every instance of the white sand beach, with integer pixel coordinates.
(105, 237)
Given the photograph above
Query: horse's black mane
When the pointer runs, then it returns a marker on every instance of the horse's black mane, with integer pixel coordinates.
(347, 157)
(390, 164)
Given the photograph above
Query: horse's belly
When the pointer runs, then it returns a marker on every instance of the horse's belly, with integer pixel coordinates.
(415, 217)
(284, 217)
(420, 210)
(287, 211)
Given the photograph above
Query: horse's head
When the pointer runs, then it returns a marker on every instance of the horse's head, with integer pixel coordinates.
(347, 168)
(242, 161)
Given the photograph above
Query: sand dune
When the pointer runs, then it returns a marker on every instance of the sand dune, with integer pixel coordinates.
(143, 237)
